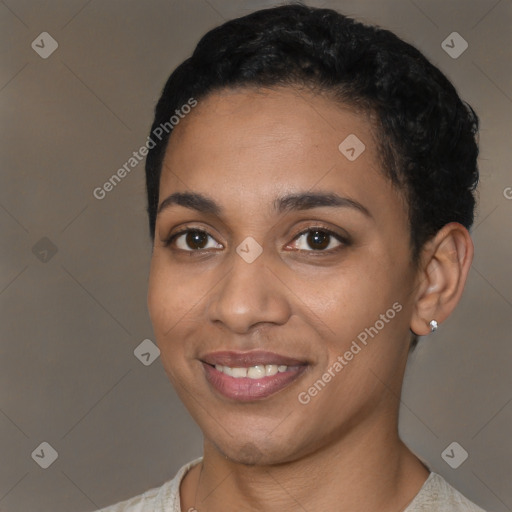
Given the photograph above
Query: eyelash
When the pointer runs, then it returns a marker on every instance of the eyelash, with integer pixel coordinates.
(344, 241)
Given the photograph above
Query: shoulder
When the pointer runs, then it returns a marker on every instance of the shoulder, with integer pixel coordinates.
(165, 498)
(141, 503)
(437, 495)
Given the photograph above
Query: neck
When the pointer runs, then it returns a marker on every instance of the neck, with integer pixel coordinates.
(367, 469)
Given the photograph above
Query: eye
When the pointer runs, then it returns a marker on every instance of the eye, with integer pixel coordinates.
(319, 240)
(192, 240)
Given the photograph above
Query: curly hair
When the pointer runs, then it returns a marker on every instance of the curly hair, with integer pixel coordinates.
(426, 133)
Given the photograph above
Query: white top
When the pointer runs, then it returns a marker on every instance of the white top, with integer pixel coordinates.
(436, 495)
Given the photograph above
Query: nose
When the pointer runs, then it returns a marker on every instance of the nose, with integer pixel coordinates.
(249, 295)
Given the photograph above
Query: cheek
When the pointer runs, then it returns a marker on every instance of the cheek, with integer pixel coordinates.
(351, 300)
(171, 302)
(166, 306)
(344, 295)
(158, 298)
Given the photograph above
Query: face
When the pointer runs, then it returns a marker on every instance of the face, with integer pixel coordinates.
(281, 277)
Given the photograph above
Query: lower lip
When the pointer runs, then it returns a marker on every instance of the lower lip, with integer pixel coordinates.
(245, 389)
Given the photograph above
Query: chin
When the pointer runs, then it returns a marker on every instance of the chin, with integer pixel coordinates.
(255, 453)
(250, 455)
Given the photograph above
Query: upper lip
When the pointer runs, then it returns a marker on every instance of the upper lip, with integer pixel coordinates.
(246, 359)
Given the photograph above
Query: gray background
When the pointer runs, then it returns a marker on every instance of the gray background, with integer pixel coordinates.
(72, 320)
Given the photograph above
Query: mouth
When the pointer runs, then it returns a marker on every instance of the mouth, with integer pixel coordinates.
(250, 376)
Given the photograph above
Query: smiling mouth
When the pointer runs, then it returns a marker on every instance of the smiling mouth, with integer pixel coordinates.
(250, 376)
(252, 372)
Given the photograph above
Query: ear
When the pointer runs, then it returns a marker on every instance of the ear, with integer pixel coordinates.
(445, 261)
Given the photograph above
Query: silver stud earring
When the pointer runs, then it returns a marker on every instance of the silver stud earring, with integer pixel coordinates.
(433, 326)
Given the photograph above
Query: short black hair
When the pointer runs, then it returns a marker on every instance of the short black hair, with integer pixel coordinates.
(426, 133)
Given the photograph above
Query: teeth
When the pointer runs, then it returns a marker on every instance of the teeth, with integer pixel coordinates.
(256, 372)
(239, 372)
(253, 372)
(270, 369)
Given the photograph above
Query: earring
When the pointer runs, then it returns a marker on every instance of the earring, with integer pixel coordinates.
(433, 326)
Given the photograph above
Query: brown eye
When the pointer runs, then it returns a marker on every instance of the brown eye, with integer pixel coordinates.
(192, 240)
(318, 240)
(196, 239)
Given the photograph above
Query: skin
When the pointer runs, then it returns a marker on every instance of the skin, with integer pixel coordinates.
(244, 148)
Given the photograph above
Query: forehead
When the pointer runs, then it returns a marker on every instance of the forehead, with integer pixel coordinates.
(246, 149)
(281, 135)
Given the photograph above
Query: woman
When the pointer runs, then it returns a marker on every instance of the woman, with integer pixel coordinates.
(310, 217)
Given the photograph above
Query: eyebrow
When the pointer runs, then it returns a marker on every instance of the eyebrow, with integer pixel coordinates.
(290, 202)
